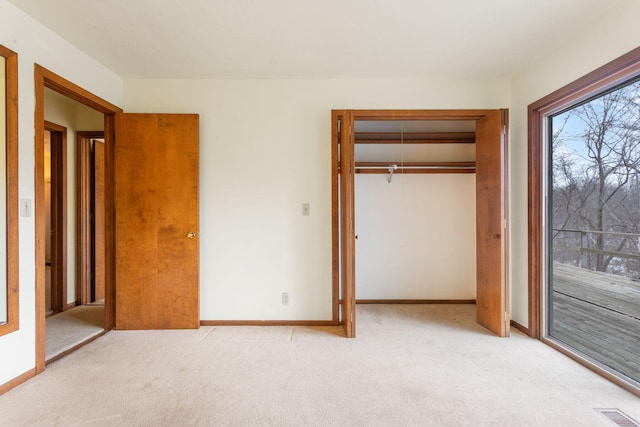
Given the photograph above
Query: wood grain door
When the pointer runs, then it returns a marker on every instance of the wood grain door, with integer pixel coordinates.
(156, 160)
(347, 224)
(58, 216)
(491, 222)
(99, 224)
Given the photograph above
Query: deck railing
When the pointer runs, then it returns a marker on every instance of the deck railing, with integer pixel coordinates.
(584, 248)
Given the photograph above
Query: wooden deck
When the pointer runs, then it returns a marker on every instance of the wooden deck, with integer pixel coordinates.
(599, 315)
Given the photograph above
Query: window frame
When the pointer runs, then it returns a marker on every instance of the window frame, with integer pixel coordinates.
(615, 73)
(12, 323)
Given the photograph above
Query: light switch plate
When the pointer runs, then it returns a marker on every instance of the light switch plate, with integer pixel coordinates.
(25, 207)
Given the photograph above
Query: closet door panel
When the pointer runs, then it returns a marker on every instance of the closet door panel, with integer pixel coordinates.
(491, 292)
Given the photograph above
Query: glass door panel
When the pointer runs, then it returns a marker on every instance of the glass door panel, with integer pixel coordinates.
(593, 282)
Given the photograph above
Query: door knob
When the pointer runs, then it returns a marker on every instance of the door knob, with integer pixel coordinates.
(191, 235)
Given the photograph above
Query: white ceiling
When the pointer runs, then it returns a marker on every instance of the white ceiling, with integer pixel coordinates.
(315, 38)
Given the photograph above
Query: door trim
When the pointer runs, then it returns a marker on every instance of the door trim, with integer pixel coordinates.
(45, 78)
(335, 218)
(347, 224)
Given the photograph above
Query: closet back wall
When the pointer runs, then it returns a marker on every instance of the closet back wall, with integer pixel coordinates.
(416, 236)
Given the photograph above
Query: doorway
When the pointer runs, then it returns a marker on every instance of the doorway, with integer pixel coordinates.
(45, 79)
(489, 140)
(73, 314)
(178, 286)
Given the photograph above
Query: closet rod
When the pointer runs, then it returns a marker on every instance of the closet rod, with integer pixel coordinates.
(414, 167)
(461, 167)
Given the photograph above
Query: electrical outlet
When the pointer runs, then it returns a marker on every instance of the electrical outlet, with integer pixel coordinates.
(306, 209)
(285, 298)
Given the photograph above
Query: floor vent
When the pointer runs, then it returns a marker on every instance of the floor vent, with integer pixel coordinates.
(618, 417)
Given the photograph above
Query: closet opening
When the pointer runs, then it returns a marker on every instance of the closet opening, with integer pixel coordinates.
(419, 211)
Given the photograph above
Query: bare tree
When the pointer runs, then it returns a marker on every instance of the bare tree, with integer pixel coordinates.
(596, 159)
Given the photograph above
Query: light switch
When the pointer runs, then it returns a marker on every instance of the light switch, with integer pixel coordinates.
(25, 207)
(306, 209)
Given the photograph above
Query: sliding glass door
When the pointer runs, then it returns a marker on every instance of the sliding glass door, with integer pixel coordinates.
(593, 235)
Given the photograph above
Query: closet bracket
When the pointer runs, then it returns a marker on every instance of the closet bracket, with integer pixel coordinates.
(391, 169)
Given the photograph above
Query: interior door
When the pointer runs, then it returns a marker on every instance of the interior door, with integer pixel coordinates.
(57, 218)
(491, 213)
(99, 224)
(347, 223)
(156, 159)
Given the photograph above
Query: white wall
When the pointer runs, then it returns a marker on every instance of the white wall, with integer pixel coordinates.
(416, 236)
(74, 117)
(36, 44)
(612, 36)
(265, 150)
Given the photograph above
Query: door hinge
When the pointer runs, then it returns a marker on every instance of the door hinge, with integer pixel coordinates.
(507, 316)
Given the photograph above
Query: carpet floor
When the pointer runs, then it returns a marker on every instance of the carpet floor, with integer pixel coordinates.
(72, 327)
(410, 365)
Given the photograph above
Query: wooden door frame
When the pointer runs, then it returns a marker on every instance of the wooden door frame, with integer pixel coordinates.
(623, 68)
(12, 323)
(614, 73)
(84, 189)
(58, 216)
(343, 152)
(391, 115)
(45, 78)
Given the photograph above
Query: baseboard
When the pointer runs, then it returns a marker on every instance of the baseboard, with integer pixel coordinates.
(415, 301)
(17, 381)
(70, 306)
(521, 328)
(268, 323)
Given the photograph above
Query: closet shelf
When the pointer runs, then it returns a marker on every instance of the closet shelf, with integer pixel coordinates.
(415, 137)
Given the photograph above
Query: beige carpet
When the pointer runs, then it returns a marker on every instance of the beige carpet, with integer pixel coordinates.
(411, 365)
(72, 327)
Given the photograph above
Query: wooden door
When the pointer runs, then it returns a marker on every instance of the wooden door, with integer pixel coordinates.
(99, 224)
(347, 223)
(491, 222)
(57, 216)
(156, 221)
